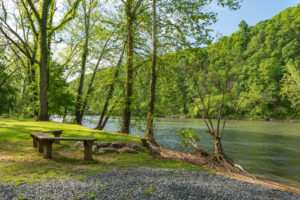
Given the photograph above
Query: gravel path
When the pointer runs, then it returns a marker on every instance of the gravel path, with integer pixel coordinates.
(145, 183)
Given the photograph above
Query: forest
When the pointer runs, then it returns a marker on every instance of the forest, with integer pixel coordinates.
(88, 59)
(93, 61)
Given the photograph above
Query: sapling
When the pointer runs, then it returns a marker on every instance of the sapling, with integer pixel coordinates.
(188, 137)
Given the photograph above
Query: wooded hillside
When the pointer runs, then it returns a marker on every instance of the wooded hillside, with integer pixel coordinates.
(264, 81)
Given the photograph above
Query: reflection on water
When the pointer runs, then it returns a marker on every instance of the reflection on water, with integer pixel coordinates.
(265, 148)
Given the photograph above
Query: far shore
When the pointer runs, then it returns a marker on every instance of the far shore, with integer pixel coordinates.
(242, 119)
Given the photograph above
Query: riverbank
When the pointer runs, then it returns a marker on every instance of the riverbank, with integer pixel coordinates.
(21, 165)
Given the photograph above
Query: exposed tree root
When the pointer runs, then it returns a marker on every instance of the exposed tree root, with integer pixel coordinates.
(220, 163)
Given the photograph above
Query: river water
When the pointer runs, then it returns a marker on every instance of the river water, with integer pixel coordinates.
(269, 149)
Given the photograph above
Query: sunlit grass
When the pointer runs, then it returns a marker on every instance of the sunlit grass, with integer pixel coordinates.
(21, 163)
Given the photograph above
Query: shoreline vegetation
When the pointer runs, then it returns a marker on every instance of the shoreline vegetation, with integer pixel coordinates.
(183, 117)
(243, 119)
(20, 163)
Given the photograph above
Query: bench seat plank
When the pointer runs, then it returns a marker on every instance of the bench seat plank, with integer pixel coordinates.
(67, 138)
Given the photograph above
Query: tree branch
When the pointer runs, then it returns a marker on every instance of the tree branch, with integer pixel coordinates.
(30, 20)
(138, 4)
(35, 12)
(67, 17)
(26, 53)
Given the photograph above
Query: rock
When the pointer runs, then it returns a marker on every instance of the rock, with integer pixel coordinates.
(134, 145)
(103, 144)
(108, 150)
(95, 148)
(78, 145)
(118, 144)
(127, 150)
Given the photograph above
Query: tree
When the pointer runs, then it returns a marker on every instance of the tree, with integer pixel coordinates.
(87, 10)
(291, 85)
(131, 14)
(150, 114)
(105, 110)
(46, 31)
(190, 14)
(22, 43)
(210, 82)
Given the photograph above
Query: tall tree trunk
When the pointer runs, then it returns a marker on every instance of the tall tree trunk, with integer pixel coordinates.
(127, 110)
(150, 115)
(219, 153)
(43, 115)
(65, 114)
(78, 113)
(78, 116)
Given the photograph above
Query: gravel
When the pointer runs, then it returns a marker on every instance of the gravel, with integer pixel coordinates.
(145, 183)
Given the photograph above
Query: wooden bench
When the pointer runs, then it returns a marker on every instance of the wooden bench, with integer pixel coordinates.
(44, 143)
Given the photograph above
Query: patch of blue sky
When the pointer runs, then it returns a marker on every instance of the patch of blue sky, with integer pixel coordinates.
(252, 11)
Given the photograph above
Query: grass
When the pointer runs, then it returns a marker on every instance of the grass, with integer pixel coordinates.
(20, 163)
(149, 190)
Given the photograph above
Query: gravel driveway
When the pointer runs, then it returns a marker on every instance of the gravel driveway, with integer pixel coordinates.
(145, 183)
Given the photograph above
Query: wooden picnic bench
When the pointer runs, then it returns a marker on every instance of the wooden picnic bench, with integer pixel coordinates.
(44, 143)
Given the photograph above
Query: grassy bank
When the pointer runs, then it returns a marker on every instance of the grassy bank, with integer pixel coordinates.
(21, 163)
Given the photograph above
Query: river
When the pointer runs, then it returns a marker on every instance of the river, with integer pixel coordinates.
(270, 149)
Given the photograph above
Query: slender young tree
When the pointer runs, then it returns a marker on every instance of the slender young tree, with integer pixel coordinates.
(87, 9)
(150, 115)
(90, 86)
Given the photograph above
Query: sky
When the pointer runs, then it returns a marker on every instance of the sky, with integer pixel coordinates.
(252, 11)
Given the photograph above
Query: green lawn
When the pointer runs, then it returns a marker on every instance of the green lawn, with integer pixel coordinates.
(21, 163)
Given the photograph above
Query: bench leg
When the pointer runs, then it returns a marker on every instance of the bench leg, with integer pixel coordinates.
(47, 148)
(57, 135)
(88, 145)
(34, 142)
(39, 145)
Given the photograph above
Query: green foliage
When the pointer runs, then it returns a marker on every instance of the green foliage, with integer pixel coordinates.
(188, 137)
(291, 85)
(7, 94)
(60, 97)
(260, 81)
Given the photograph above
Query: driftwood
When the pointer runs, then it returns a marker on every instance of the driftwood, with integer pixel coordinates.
(199, 158)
